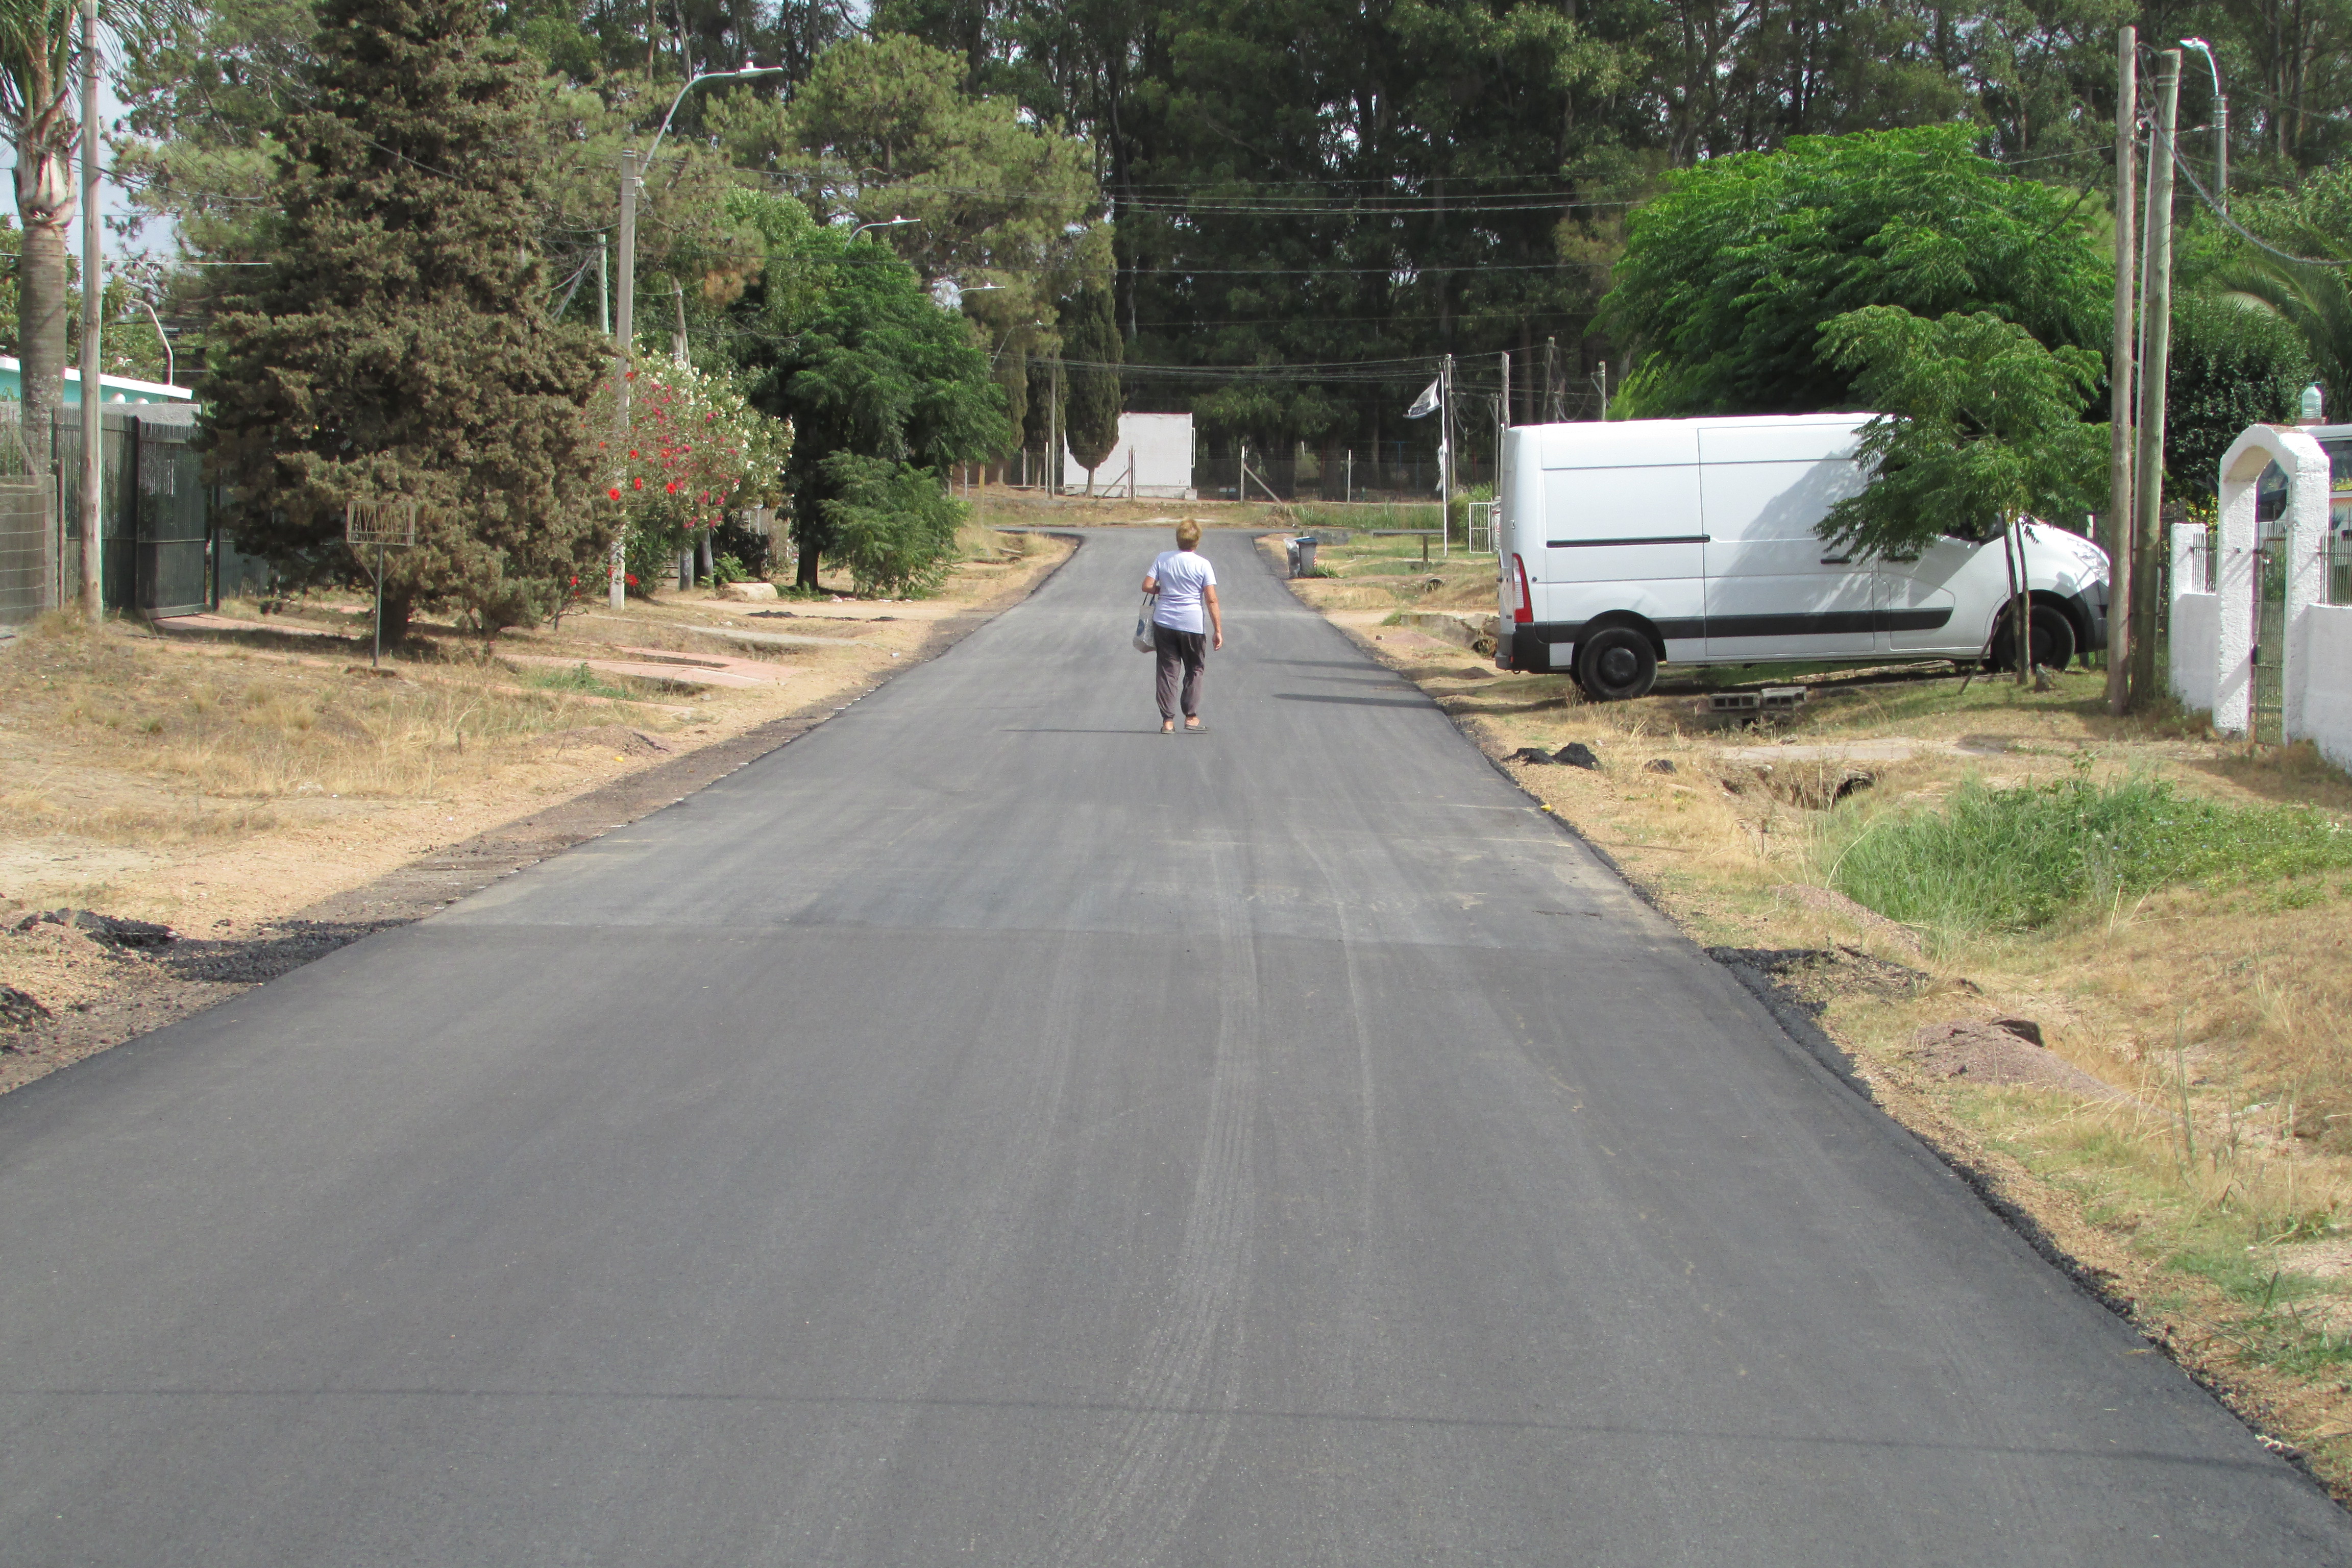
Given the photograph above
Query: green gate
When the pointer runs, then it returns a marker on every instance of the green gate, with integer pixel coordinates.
(2269, 717)
(157, 528)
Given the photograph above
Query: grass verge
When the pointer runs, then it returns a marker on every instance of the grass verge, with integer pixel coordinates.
(2173, 910)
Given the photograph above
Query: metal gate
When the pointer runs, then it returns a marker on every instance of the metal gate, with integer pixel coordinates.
(156, 531)
(2269, 718)
(27, 575)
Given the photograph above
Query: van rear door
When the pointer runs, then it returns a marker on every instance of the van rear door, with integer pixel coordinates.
(1622, 529)
(1774, 589)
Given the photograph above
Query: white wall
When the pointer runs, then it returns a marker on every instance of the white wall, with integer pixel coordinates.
(2196, 623)
(1162, 445)
(2320, 664)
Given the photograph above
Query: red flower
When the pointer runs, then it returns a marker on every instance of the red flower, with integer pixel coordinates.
(637, 484)
(633, 451)
(671, 488)
(633, 579)
(614, 492)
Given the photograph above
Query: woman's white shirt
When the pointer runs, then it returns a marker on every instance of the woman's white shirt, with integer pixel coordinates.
(1183, 575)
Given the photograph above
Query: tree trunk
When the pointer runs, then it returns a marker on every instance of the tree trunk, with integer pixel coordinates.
(46, 198)
(805, 577)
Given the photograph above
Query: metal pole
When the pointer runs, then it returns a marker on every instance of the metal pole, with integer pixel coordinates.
(375, 659)
(93, 290)
(604, 287)
(2221, 148)
(2156, 307)
(2119, 381)
(617, 568)
(1444, 450)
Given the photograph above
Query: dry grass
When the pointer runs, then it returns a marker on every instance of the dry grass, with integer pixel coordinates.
(2216, 1191)
(217, 737)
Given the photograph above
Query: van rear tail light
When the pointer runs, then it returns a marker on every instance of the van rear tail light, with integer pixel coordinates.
(1524, 612)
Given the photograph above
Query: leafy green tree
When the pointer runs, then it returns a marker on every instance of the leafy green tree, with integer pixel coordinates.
(839, 336)
(2313, 220)
(1091, 343)
(398, 346)
(1981, 424)
(893, 524)
(1729, 277)
(2234, 363)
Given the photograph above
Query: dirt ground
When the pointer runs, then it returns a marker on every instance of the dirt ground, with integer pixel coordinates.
(2176, 1133)
(248, 782)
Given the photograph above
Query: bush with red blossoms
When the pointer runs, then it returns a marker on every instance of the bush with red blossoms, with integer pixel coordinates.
(697, 450)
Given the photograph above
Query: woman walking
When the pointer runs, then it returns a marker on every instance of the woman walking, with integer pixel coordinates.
(1186, 589)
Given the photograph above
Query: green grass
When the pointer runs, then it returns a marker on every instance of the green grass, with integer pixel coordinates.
(1361, 515)
(2016, 860)
(582, 680)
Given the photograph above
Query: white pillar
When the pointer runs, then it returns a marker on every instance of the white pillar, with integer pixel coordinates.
(2306, 576)
(2235, 563)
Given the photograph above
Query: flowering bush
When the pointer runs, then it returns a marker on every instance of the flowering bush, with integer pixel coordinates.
(695, 450)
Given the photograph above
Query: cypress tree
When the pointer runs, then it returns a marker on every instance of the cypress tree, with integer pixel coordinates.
(399, 346)
(1091, 343)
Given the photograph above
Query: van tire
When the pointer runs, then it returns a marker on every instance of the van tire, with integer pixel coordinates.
(2049, 634)
(1616, 664)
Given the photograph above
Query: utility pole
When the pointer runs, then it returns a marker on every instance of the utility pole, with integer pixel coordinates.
(624, 345)
(1053, 436)
(603, 287)
(93, 288)
(2119, 381)
(1445, 446)
(2148, 489)
(624, 348)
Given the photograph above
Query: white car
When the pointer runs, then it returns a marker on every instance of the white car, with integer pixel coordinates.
(1648, 542)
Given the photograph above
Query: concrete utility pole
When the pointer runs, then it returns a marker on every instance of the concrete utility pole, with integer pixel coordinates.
(2148, 488)
(624, 346)
(604, 288)
(633, 166)
(1445, 446)
(93, 290)
(2119, 380)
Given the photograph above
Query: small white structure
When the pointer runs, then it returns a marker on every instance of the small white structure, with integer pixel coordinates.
(2213, 625)
(1153, 457)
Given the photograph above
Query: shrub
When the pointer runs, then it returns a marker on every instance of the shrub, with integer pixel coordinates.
(2015, 859)
(893, 524)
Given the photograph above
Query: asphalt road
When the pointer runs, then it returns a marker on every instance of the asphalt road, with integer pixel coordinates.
(986, 1130)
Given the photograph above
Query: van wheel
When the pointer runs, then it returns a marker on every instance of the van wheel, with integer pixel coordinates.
(2050, 639)
(1615, 664)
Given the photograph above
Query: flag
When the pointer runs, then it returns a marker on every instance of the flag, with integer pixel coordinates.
(1425, 404)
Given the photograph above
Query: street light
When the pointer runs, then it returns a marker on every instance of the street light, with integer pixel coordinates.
(2220, 125)
(625, 308)
(886, 223)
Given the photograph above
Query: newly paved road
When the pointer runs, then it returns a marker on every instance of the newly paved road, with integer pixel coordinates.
(988, 1131)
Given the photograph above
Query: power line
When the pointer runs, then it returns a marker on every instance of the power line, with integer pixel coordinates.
(2182, 164)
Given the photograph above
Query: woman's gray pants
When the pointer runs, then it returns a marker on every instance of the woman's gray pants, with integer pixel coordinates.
(1176, 651)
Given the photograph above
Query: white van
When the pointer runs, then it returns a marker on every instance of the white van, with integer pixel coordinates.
(1690, 542)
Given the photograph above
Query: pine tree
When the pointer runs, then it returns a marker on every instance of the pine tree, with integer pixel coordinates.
(1091, 344)
(399, 345)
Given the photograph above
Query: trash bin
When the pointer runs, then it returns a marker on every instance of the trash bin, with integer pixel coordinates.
(1302, 555)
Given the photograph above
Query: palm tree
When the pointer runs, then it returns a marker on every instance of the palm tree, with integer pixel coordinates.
(2313, 220)
(40, 56)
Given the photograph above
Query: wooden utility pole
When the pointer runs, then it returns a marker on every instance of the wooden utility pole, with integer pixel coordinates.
(2149, 485)
(2119, 380)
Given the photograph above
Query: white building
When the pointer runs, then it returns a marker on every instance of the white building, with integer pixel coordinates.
(1153, 457)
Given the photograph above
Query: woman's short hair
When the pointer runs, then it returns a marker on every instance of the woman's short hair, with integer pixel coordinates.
(1187, 534)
